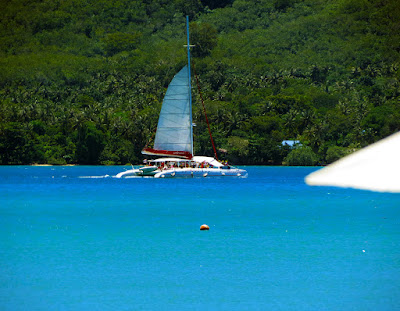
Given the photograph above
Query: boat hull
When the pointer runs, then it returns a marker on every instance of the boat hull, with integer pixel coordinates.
(198, 166)
(185, 173)
(141, 172)
(201, 172)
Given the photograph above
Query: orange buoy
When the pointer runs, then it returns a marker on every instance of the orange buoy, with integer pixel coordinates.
(204, 227)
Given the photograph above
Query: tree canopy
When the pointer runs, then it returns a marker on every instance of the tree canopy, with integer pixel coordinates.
(83, 81)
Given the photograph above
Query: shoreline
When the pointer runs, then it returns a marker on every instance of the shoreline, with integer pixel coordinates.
(141, 164)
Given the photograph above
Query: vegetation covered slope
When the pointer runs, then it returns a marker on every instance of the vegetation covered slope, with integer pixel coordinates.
(83, 81)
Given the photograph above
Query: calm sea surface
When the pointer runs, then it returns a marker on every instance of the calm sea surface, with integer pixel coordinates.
(72, 238)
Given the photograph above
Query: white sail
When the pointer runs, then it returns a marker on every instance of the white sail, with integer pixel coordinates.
(174, 129)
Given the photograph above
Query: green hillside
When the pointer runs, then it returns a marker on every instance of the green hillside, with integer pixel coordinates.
(82, 81)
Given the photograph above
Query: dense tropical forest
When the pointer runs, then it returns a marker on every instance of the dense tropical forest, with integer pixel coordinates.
(82, 81)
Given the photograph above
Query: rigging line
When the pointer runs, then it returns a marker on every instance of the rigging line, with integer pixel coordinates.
(204, 108)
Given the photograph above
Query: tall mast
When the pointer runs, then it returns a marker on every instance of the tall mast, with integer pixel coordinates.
(190, 82)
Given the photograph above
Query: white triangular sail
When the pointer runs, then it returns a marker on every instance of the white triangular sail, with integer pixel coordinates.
(376, 168)
(174, 129)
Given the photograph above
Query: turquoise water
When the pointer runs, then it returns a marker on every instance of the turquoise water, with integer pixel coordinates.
(72, 239)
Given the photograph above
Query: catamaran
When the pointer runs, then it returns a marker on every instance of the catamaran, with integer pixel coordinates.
(174, 137)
